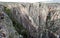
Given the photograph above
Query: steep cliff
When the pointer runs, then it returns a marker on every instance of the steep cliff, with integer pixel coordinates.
(37, 18)
(42, 20)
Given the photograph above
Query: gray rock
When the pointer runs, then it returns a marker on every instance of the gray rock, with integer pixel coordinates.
(37, 17)
(6, 27)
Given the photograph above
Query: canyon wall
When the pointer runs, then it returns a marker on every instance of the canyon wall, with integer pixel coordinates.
(37, 17)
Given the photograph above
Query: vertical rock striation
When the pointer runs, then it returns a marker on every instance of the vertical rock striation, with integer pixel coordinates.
(40, 19)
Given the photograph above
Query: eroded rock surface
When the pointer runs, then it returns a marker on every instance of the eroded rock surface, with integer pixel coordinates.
(6, 27)
(37, 18)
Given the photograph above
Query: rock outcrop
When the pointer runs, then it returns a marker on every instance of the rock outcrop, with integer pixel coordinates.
(6, 26)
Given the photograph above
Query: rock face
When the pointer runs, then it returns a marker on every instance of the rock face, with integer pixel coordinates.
(23, 17)
(40, 19)
(6, 27)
